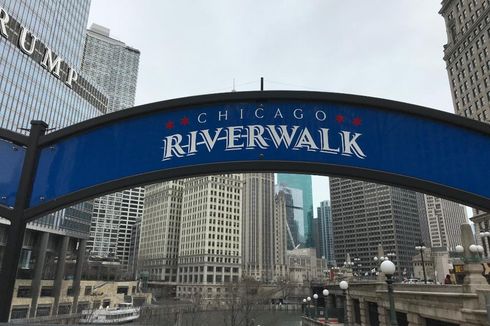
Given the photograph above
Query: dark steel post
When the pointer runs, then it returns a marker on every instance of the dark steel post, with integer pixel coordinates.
(261, 83)
(17, 227)
(423, 265)
(82, 246)
(38, 273)
(346, 315)
(391, 297)
(60, 274)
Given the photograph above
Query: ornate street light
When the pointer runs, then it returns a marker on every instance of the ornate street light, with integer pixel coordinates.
(304, 307)
(422, 248)
(309, 312)
(325, 298)
(344, 286)
(388, 268)
(315, 298)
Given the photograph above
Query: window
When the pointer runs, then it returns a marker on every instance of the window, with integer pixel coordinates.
(24, 292)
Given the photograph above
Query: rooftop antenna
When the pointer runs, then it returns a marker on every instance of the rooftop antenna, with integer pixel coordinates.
(261, 83)
(233, 90)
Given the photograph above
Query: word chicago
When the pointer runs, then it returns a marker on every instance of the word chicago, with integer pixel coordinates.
(263, 137)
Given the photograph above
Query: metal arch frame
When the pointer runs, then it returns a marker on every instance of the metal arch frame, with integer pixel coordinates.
(21, 213)
(19, 140)
(261, 96)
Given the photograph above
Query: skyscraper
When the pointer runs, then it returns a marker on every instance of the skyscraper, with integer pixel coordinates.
(444, 219)
(160, 231)
(210, 235)
(367, 214)
(41, 45)
(325, 231)
(113, 66)
(303, 183)
(262, 234)
(467, 57)
(295, 227)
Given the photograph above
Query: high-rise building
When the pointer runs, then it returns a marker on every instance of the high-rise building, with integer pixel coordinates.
(262, 234)
(325, 231)
(303, 183)
(210, 235)
(293, 199)
(444, 219)
(41, 46)
(467, 57)
(113, 66)
(365, 215)
(160, 231)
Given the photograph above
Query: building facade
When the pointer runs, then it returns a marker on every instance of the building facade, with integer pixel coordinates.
(160, 231)
(41, 45)
(113, 66)
(444, 219)
(295, 227)
(365, 215)
(325, 231)
(467, 57)
(258, 227)
(210, 235)
(302, 182)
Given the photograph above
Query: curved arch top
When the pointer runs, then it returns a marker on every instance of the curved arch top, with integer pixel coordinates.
(304, 132)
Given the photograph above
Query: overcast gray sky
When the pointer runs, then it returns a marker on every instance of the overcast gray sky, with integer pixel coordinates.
(387, 49)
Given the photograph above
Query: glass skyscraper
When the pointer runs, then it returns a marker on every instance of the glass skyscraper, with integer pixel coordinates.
(305, 224)
(40, 57)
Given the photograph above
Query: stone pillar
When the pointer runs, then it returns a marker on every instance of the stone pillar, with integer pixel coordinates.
(363, 308)
(383, 316)
(473, 279)
(415, 320)
(42, 245)
(82, 245)
(60, 273)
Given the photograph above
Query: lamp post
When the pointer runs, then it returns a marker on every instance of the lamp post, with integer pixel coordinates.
(309, 312)
(388, 268)
(422, 248)
(344, 286)
(304, 307)
(325, 298)
(315, 298)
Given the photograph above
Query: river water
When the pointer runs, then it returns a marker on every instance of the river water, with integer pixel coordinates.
(222, 318)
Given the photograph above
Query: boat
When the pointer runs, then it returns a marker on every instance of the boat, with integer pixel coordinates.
(122, 313)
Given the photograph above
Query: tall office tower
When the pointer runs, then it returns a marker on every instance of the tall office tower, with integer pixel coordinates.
(113, 66)
(160, 231)
(303, 183)
(41, 45)
(444, 219)
(424, 222)
(294, 216)
(467, 57)
(365, 215)
(259, 233)
(280, 236)
(210, 235)
(325, 230)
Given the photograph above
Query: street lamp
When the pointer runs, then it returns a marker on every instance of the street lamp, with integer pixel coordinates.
(388, 268)
(421, 248)
(309, 312)
(304, 306)
(315, 297)
(325, 298)
(344, 286)
(475, 250)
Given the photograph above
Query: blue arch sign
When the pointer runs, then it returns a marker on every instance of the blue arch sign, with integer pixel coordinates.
(330, 134)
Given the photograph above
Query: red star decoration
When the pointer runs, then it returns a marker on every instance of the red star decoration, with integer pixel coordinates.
(356, 121)
(339, 118)
(184, 121)
(169, 124)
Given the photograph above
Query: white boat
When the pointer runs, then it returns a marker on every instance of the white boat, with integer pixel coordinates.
(123, 313)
